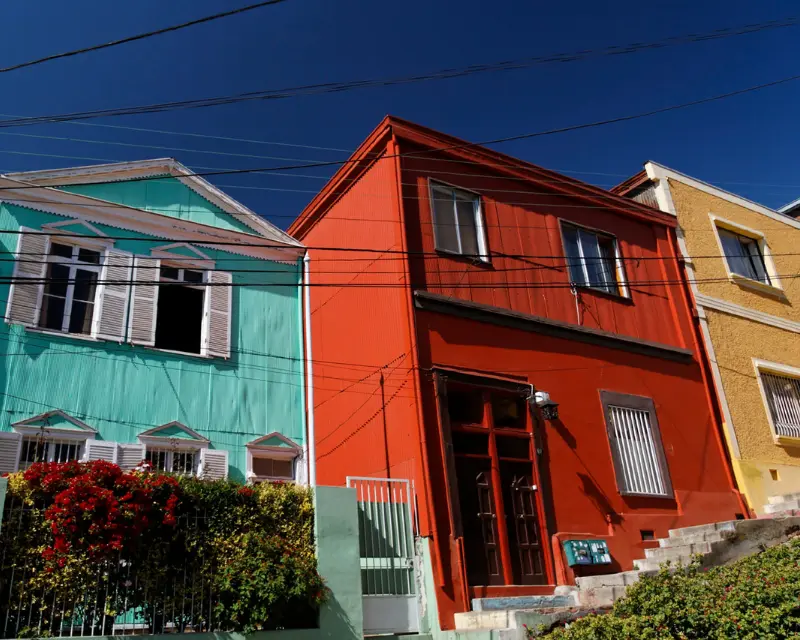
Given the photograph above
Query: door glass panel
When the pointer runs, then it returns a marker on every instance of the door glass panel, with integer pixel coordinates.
(508, 411)
(465, 442)
(465, 406)
(512, 447)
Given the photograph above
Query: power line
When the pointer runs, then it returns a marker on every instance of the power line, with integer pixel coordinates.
(140, 36)
(329, 87)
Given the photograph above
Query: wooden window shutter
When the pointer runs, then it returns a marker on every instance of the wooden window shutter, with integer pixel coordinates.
(112, 296)
(217, 316)
(129, 456)
(214, 464)
(100, 450)
(10, 446)
(25, 300)
(144, 301)
(451, 484)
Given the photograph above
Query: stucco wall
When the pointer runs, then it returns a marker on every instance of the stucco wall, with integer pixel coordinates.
(123, 390)
(693, 207)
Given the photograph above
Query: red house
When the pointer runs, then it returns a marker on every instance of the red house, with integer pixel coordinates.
(453, 290)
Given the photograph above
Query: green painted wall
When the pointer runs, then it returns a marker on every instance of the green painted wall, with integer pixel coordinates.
(165, 195)
(123, 390)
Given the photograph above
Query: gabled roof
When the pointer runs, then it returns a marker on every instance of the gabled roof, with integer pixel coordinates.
(141, 169)
(275, 441)
(378, 145)
(55, 419)
(173, 429)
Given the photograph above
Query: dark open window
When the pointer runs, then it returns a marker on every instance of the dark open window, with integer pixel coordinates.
(179, 320)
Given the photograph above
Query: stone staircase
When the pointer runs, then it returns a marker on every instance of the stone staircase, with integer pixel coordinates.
(717, 543)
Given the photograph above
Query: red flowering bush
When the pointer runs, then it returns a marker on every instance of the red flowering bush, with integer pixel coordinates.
(149, 543)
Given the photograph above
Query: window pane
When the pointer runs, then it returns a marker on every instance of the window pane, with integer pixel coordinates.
(63, 250)
(52, 313)
(282, 469)
(509, 411)
(170, 273)
(465, 407)
(183, 462)
(608, 263)
(738, 261)
(85, 284)
(179, 318)
(466, 442)
(33, 450)
(573, 255)
(444, 225)
(156, 459)
(192, 276)
(262, 467)
(757, 261)
(593, 259)
(87, 255)
(57, 276)
(783, 398)
(510, 447)
(80, 318)
(65, 451)
(466, 208)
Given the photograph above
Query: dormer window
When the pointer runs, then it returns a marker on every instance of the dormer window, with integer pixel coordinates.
(272, 458)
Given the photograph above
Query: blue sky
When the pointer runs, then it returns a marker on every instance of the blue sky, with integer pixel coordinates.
(746, 144)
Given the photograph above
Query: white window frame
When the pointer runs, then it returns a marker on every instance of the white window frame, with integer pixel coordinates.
(171, 445)
(73, 264)
(52, 436)
(764, 366)
(480, 230)
(291, 452)
(619, 269)
(775, 286)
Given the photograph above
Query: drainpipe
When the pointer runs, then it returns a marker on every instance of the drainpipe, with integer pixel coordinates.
(312, 445)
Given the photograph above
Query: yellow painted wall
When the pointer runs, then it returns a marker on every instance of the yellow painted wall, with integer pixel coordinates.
(738, 340)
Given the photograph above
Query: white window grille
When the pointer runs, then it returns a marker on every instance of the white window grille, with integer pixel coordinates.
(783, 400)
(46, 449)
(457, 221)
(636, 451)
(180, 461)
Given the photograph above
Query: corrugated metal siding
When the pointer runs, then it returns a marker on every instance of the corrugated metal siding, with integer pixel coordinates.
(523, 219)
(360, 322)
(122, 390)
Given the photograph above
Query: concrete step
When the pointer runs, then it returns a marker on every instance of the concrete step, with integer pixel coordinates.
(511, 618)
(654, 564)
(696, 538)
(601, 596)
(786, 505)
(784, 498)
(791, 513)
(523, 602)
(728, 525)
(624, 579)
(677, 551)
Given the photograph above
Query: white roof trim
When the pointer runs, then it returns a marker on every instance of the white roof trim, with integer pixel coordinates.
(121, 171)
(659, 172)
(68, 223)
(27, 422)
(181, 245)
(153, 433)
(74, 206)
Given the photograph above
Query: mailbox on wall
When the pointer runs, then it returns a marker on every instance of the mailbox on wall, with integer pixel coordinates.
(586, 552)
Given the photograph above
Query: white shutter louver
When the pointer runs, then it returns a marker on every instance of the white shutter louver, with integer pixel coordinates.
(100, 450)
(214, 464)
(217, 316)
(145, 300)
(10, 444)
(129, 456)
(112, 296)
(24, 300)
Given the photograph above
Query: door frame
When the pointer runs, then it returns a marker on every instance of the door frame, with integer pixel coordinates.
(486, 383)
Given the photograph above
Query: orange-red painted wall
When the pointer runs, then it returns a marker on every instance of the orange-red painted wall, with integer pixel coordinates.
(361, 432)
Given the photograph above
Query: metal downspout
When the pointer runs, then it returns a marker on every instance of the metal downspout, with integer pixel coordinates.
(312, 445)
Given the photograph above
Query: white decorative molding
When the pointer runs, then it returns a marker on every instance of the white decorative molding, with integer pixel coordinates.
(738, 310)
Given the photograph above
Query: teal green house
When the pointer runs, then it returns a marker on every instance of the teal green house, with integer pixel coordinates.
(149, 319)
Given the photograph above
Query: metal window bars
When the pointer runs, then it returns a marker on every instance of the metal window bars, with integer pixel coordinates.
(636, 452)
(783, 398)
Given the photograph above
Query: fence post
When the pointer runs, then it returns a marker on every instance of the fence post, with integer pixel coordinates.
(339, 562)
(3, 488)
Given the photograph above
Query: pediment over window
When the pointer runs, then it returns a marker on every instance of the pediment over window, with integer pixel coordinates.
(76, 226)
(174, 431)
(276, 442)
(55, 420)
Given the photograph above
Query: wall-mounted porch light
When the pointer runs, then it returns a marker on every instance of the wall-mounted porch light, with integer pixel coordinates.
(548, 407)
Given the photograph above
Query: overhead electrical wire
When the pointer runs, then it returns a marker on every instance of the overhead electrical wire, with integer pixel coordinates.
(140, 36)
(330, 87)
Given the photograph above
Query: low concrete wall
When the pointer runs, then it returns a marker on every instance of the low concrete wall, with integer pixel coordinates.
(336, 531)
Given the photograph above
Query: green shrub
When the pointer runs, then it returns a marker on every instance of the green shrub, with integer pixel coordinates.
(756, 597)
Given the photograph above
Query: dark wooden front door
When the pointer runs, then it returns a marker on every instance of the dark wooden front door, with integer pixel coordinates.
(519, 500)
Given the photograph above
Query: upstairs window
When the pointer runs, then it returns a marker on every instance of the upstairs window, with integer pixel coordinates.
(68, 298)
(782, 394)
(179, 319)
(592, 259)
(457, 221)
(744, 256)
(39, 449)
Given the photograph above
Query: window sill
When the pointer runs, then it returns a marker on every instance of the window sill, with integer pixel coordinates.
(188, 354)
(617, 297)
(760, 287)
(61, 334)
(260, 479)
(658, 496)
(473, 260)
(786, 441)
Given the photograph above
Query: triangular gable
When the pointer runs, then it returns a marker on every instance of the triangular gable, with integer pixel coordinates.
(173, 430)
(181, 249)
(76, 226)
(274, 441)
(124, 182)
(56, 419)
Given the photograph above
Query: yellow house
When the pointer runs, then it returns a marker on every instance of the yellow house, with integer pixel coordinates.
(743, 264)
